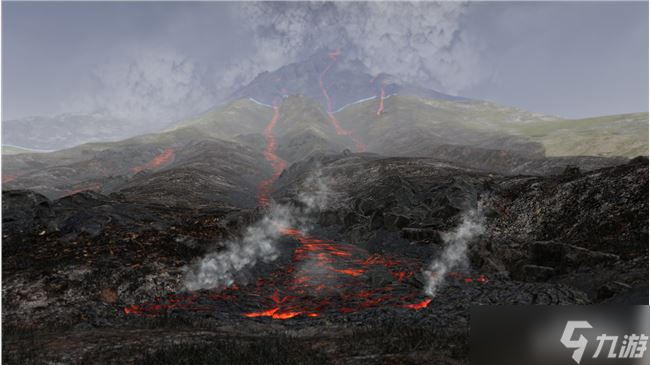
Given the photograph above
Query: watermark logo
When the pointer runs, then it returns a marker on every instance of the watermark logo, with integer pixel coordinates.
(580, 344)
(632, 346)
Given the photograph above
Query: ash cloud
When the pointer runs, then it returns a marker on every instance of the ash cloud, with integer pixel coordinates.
(151, 85)
(419, 42)
(455, 252)
(258, 244)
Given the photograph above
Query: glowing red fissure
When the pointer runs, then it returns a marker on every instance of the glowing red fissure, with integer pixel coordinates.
(360, 147)
(419, 305)
(381, 101)
(277, 164)
(95, 187)
(166, 157)
(324, 265)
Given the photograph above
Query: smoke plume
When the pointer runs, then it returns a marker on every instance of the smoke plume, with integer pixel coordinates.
(419, 42)
(258, 243)
(455, 252)
(149, 85)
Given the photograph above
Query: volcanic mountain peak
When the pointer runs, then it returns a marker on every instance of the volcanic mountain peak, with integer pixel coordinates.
(335, 79)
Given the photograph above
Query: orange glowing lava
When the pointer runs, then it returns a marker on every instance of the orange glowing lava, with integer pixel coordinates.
(418, 306)
(268, 313)
(351, 272)
(360, 147)
(166, 157)
(94, 187)
(381, 101)
(277, 164)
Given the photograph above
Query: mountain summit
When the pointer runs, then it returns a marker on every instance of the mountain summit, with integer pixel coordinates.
(334, 78)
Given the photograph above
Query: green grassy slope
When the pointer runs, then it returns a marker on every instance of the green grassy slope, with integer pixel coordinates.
(225, 123)
(617, 135)
(237, 118)
(613, 135)
(14, 150)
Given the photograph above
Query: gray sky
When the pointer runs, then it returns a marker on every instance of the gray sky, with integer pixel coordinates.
(156, 59)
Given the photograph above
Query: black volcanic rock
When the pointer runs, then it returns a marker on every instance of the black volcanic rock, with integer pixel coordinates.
(24, 211)
(593, 222)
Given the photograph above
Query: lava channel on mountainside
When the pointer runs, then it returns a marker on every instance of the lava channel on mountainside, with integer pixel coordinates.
(164, 158)
(360, 147)
(277, 164)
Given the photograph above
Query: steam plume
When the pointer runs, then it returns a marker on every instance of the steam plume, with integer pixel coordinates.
(419, 42)
(221, 269)
(455, 252)
(150, 85)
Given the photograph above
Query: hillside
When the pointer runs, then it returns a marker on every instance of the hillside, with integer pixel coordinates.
(612, 135)
(69, 130)
(215, 149)
(409, 125)
(479, 135)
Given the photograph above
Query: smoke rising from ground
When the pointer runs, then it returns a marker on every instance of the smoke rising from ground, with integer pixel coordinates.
(220, 269)
(258, 243)
(455, 252)
(419, 42)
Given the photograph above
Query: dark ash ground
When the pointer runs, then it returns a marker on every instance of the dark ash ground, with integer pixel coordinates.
(72, 265)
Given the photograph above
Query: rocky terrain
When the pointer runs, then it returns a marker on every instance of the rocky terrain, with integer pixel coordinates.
(84, 270)
(292, 233)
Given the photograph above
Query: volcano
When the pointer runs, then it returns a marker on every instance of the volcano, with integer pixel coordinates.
(347, 77)
(328, 198)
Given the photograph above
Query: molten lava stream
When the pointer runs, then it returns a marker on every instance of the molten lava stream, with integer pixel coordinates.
(381, 101)
(331, 277)
(94, 187)
(360, 147)
(166, 157)
(277, 164)
(420, 305)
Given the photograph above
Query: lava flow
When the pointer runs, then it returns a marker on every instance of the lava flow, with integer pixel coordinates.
(323, 278)
(8, 178)
(360, 147)
(277, 163)
(381, 101)
(166, 157)
(93, 187)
